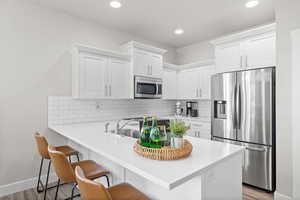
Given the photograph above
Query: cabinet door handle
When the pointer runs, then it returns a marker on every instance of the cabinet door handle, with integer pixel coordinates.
(241, 61)
(109, 90)
(197, 125)
(200, 91)
(197, 93)
(105, 90)
(246, 61)
(150, 69)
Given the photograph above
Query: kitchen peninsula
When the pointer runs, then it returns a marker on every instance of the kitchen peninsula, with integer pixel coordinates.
(211, 166)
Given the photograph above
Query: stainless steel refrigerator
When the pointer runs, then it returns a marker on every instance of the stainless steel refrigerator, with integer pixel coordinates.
(243, 113)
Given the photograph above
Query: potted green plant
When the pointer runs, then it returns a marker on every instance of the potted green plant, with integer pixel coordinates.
(178, 130)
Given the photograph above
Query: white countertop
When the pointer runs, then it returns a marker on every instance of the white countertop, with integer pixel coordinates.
(167, 174)
(195, 119)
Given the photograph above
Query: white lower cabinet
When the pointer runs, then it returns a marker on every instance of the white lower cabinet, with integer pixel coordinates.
(199, 129)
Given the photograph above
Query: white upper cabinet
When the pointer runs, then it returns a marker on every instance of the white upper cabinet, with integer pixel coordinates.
(156, 65)
(99, 74)
(261, 51)
(169, 84)
(205, 81)
(92, 76)
(147, 60)
(254, 48)
(188, 84)
(140, 62)
(228, 57)
(119, 84)
(194, 83)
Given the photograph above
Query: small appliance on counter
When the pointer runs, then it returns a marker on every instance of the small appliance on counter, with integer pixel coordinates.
(191, 109)
(179, 110)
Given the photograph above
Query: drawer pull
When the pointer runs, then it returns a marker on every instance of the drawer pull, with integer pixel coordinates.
(198, 125)
(256, 149)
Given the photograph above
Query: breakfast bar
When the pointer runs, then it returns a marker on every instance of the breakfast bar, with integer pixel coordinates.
(211, 165)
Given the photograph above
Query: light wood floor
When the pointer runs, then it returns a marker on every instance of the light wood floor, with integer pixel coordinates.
(249, 193)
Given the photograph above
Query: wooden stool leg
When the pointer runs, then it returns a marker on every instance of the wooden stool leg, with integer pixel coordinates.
(39, 178)
(47, 179)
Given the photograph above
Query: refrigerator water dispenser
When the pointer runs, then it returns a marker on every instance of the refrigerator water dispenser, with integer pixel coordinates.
(220, 110)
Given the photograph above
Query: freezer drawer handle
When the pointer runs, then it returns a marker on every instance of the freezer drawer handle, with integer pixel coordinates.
(256, 149)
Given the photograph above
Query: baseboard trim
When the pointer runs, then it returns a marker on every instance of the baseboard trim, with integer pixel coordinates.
(24, 185)
(278, 196)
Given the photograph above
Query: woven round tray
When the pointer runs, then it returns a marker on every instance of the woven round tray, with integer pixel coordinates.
(165, 153)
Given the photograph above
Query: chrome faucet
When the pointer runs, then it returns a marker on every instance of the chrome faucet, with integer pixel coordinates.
(106, 127)
(118, 127)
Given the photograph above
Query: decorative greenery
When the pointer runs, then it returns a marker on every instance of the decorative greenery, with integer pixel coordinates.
(178, 128)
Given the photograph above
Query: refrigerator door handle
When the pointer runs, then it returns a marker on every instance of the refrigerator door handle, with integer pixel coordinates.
(234, 118)
(238, 107)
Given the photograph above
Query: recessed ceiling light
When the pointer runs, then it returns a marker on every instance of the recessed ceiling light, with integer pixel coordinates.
(115, 4)
(179, 31)
(251, 3)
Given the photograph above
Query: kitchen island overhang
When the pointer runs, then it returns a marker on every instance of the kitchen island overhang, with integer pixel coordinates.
(210, 160)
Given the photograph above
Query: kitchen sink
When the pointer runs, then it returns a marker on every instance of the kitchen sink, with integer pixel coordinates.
(127, 132)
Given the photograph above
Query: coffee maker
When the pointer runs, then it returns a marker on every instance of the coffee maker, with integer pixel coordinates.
(191, 109)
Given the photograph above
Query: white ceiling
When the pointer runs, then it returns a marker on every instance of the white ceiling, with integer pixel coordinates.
(156, 19)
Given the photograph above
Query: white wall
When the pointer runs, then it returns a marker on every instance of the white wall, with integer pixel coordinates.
(36, 63)
(287, 18)
(193, 53)
(295, 112)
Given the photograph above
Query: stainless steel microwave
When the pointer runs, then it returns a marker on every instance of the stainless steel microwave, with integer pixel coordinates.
(147, 87)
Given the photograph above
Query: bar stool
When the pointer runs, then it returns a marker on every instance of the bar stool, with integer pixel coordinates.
(42, 147)
(96, 191)
(66, 170)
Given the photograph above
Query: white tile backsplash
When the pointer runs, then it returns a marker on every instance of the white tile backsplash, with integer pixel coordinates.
(204, 108)
(66, 110)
